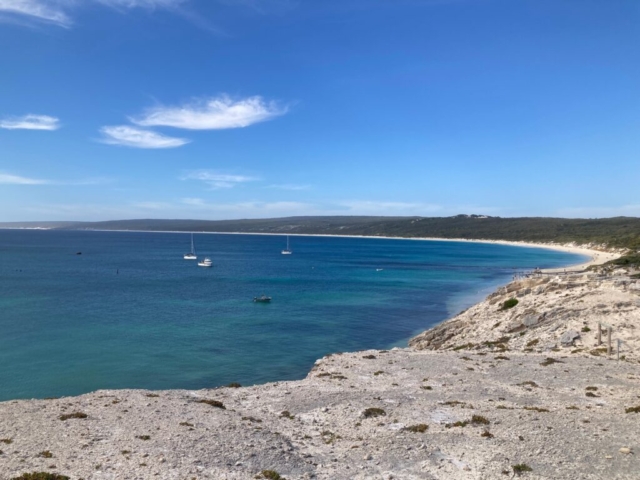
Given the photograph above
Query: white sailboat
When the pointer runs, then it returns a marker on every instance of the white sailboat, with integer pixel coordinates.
(206, 263)
(192, 254)
(287, 251)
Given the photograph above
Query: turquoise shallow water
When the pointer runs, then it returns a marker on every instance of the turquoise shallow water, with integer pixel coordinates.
(131, 313)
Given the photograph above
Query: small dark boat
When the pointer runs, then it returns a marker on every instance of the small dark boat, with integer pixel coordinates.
(262, 299)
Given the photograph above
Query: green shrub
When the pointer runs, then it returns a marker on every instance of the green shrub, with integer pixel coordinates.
(271, 475)
(479, 420)
(507, 304)
(521, 468)
(41, 476)
(420, 428)
(213, 403)
(374, 412)
(73, 415)
(549, 361)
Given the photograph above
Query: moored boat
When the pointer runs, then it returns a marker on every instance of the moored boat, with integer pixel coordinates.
(205, 263)
(192, 254)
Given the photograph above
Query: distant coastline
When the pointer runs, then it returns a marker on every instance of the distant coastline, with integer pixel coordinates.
(596, 256)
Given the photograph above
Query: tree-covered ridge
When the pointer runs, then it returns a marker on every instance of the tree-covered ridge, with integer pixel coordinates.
(618, 232)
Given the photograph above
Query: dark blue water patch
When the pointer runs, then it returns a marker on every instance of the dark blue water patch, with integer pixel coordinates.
(130, 312)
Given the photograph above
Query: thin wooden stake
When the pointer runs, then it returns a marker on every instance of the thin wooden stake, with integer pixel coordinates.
(609, 341)
(599, 334)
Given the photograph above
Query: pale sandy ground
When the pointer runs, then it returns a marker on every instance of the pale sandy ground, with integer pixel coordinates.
(565, 420)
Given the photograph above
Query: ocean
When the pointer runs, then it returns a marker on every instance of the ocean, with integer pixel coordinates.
(130, 312)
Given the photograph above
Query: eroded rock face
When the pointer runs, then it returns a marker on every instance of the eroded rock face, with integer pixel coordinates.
(568, 338)
(562, 310)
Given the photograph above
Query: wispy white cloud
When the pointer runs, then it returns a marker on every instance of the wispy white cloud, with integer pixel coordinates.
(57, 11)
(150, 4)
(289, 186)
(255, 209)
(215, 113)
(138, 138)
(367, 207)
(217, 180)
(8, 179)
(196, 202)
(49, 11)
(30, 122)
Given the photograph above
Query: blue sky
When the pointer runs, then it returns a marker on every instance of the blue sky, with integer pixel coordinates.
(214, 109)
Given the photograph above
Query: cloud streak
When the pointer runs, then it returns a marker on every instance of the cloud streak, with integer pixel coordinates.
(56, 11)
(289, 186)
(8, 179)
(40, 10)
(30, 122)
(215, 113)
(126, 136)
(217, 180)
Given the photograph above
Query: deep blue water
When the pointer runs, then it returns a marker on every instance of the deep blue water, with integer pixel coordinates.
(131, 313)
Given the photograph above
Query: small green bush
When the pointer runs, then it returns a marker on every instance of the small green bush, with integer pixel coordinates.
(72, 415)
(45, 454)
(420, 428)
(271, 475)
(633, 409)
(549, 361)
(521, 468)
(213, 403)
(41, 476)
(536, 409)
(457, 424)
(507, 304)
(374, 412)
(479, 420)
(234, 385)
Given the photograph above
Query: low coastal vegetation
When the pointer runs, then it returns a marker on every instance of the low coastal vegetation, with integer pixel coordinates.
(618, 232)
(510, 303)
(373, 412)
(521, 468)
(68, 416)
(270, 475)
(420, 428)
(41, 476)
(213, 403)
